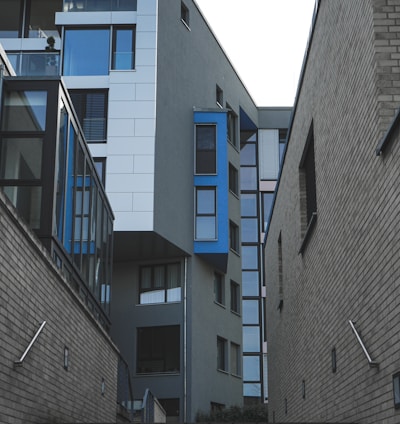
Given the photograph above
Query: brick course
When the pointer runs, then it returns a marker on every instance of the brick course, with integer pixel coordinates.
(350, 268)
(32, 291)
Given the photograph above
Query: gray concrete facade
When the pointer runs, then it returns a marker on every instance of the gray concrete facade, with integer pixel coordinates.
(342, 264)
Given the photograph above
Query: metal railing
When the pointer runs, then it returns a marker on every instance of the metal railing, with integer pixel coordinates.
(36, 63)
(20, 361)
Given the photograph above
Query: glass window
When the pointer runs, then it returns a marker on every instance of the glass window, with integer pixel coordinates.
(251, 339)
(250, 312)
(10, 19)
(41, 22)
(248, 154)
(235, 297)
(206, 149)
(219, 96)
(91, 107)
(27, 200)
(86, 51)
(160, 284)
(252, 389)
(24, 111)
(100, 165)
(234, 236)
(206, 213)
(123, 48)
(248, 203)
(249, 257)
(158, 349)
(251, 368)
(232, 124)
(21, 158)
(221, 354)
(250, 283)
(248, 178)
(219, 289)
(233, 179)
(236, 359)
(249, 228)
(184, 13)
(267, 199)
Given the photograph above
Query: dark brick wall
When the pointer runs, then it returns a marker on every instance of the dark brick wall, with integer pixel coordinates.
(350, 267)
(33, 291)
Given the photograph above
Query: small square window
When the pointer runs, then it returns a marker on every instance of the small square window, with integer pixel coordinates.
(219, 96)
(184, 14)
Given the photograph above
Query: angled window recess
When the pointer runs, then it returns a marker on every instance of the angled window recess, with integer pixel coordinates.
(389, 135)
(185, 15)
(308, 195)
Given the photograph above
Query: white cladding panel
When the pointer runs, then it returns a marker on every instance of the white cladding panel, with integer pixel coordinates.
(268, 150)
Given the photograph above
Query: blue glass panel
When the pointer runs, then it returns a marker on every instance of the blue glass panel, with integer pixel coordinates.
(86, 52)
(251, 368)
(250, 311)
(251, 339)
(248, 178)
(250, 284)
(249, 257)
(248, 203)
(206, 201)
(252, 389)
(205, 227)
(267, 204)
(249, 230)
(123, 54)
(248, 154)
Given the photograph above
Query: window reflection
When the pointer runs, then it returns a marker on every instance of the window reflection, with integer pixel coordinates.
(249, 257)
(249, 230)
(250, 284)
(251, 339)
(248, 178)
(250, 311)
(251, 368)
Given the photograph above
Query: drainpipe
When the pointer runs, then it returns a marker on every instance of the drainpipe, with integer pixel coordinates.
(185, 343)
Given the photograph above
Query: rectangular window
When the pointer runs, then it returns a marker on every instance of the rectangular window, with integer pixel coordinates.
(123, 48)
(158, 349)
(160, 284)
(97, 6)
(235, 359)
(100, 165)
(219, 289)
(184, 14)
(206, 149)
(235, 297)
(206, 213)
(233, 179)
(86, 51)
(234, 236)
(91, 106)
(221, 354)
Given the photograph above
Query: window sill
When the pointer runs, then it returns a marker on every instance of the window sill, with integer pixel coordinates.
(309, 230)
(235, 252)
(158, 374)
(159, 303)
(221, 305)
(186, 25)
(223, 371)
(236, 376)
(235, 313)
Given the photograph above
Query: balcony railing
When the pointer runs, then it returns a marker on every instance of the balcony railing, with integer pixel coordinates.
(99, 5)
(36, 63)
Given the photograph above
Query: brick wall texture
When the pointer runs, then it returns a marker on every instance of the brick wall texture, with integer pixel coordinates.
(33, 291)
(350, 267)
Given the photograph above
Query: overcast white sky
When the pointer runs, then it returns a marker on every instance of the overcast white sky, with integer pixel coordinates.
(265, 41)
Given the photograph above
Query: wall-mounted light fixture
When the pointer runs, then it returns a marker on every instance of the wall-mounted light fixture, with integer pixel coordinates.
(66, 358)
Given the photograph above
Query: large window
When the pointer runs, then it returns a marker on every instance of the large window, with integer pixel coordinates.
(87, 51)
(29, 18)
(91, 108)
(160, 283)
(206, 213)
(206, 154)
(158, 349)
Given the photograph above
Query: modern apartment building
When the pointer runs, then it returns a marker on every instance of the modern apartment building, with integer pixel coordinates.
(332, 246)
(169, 124)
